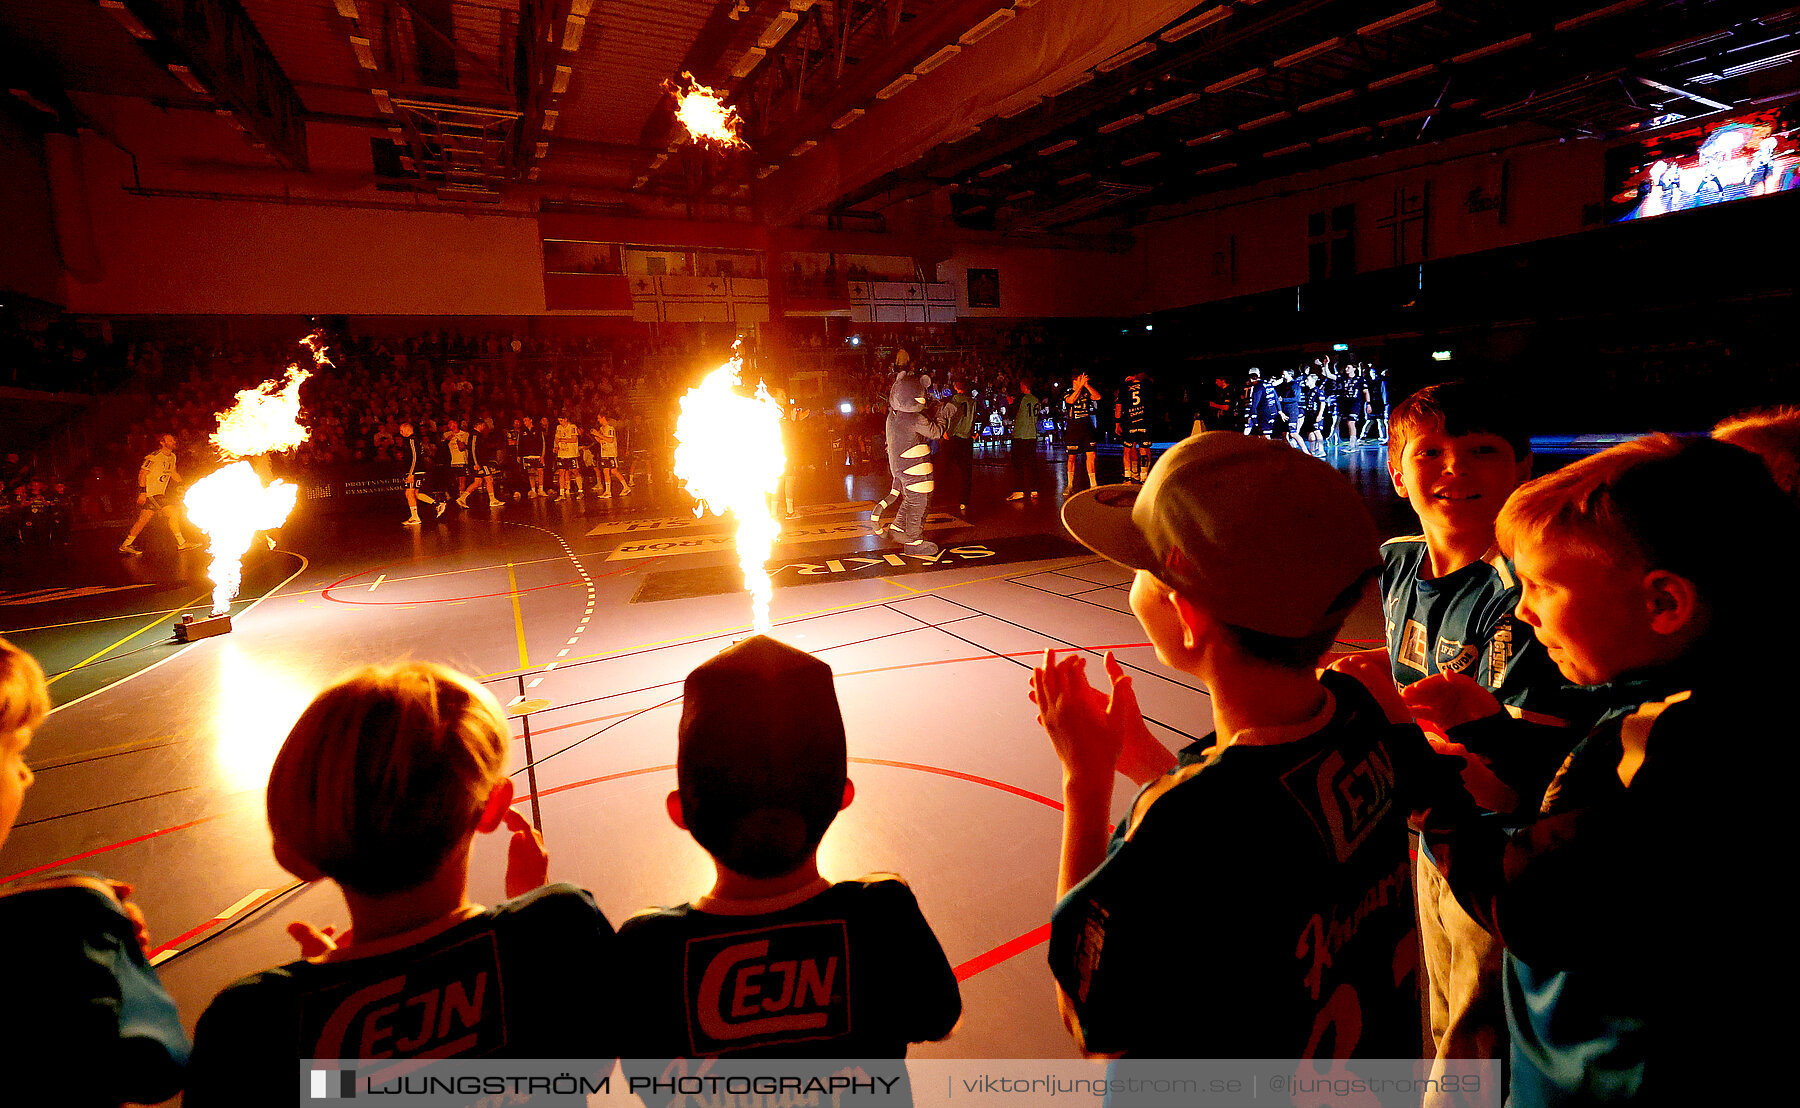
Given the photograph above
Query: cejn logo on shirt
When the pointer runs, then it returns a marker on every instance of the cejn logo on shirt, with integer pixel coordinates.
(447, 1004)
(773, 985)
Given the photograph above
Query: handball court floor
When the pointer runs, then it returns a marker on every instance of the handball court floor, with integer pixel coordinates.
(151, 769)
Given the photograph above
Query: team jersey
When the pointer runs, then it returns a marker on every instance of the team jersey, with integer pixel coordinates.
(568, 440)
(850, 970)
(409, 454)
(608, 438)
(1463, 623)
(1624, 908)
(1025, 417)
(156, 472)
(534, 977)
(1316, 960)
(1082, 407)
(1134, 406)
(458, 442)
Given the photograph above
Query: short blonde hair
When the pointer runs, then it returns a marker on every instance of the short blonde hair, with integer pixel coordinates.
(1693, 506)
(385, 773)
(1772, 433)
(24, 697)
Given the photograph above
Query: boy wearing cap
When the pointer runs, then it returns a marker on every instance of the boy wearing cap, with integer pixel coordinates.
(1264, 879)
(776, 961)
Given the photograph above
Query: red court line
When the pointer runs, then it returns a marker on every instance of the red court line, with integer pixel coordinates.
(1001, 953)
(104, 849)
(961, 776)
(267, 896)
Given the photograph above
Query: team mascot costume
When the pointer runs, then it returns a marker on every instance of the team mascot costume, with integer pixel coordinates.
(912, 422)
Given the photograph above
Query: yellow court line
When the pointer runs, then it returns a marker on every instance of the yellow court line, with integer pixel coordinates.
(121, 642)
(512, 583)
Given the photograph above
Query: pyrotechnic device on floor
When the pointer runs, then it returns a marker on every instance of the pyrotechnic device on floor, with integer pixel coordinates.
(191, 629)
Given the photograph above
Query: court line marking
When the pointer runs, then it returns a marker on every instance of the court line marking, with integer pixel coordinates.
(153, 623)
(160, 662)
(687, 640)
(512, 582)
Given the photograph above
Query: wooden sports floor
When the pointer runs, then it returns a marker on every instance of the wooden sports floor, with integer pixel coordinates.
(152, 768)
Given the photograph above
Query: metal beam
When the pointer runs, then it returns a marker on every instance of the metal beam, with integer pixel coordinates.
(223, 51)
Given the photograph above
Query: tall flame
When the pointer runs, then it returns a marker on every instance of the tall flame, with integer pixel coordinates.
(704, 112)
(728, 452)
(231, 504)
(266, 419)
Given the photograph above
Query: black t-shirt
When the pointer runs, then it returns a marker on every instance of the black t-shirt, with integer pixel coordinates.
(1258, 904)
(852, 971)
(530, 978)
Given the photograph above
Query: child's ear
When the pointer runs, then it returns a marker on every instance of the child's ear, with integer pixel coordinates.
(849, 793)
(673, 805)
(1194, 622)
(1522, 474)
(1673, 602)
(1399, 481)
(494, 810)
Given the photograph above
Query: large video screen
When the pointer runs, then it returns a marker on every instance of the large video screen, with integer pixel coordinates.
(1711, 162)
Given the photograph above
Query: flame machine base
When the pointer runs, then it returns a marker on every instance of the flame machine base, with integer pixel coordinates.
(190, 629)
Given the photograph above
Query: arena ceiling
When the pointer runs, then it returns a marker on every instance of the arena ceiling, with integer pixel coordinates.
(1034, 115)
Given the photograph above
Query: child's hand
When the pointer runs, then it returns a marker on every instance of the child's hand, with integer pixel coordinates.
(1372, 671)
(1141, 757)
(1449, 699)
(1078, 718)
(314, 942)
(1478, 777)
(527, 862)
(140, 928)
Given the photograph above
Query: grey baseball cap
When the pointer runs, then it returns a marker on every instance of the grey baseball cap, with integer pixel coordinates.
(1260, 535)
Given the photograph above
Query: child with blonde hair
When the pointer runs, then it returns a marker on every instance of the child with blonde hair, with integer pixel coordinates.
(90, 1024)
(381, 787)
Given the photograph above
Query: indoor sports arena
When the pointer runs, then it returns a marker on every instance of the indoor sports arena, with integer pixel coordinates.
(570, 345)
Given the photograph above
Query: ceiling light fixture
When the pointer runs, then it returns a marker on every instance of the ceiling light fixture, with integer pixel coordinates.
(1237, 79)
(1142, 158)
(572, 32)
(1199, 22)
(1125, 57)
(1313, 51)
(1203, 139)
(749, 61)
(1599, 14)
(1056, 149)
(777, 29)
(1402, 78)
(1399, 19)
(1496, 48)
(847, 118)
(937, 59)
(1327, 101)
(899, 85)
(1121, 124)
(987, 26)
(1171, 105)
(126, 19)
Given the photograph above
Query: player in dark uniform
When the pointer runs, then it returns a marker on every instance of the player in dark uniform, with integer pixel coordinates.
(1314, 398)
(1132, 424)
(413, 474)
(1079, 438)
(1290, 394)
